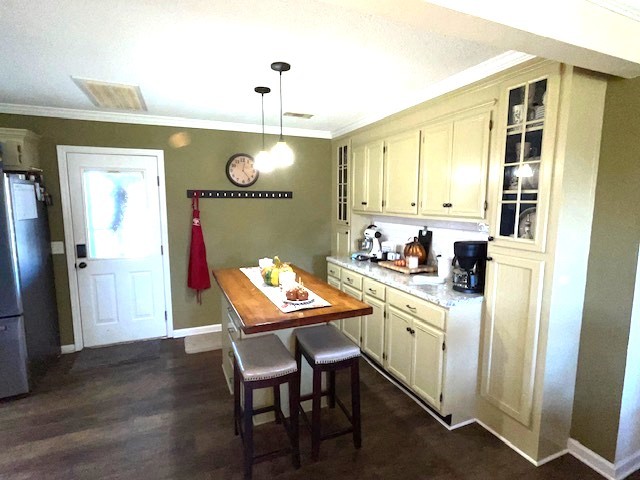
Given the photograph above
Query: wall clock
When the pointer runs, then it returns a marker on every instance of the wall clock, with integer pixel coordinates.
(240, 170)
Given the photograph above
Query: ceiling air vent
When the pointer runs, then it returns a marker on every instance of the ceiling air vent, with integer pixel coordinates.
(112, 95)
(306, 116)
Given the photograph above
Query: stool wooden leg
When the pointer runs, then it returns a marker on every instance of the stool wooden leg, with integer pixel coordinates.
(294, 403)
(332, 388)
(248, 431)
(355, 403)
(236, 398)
(276, 403)
(315, 414)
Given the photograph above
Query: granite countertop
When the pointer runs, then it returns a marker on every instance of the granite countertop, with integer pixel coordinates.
(442, 294)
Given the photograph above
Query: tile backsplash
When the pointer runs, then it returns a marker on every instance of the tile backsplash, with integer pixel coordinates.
(443, 236)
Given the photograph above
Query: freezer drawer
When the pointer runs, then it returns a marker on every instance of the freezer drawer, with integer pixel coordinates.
(14, 379)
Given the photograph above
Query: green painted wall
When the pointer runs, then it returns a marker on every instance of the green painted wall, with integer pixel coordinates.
(237, 232)
(611, 274)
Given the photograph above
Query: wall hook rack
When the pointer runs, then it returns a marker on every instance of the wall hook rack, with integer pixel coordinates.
(250, 194)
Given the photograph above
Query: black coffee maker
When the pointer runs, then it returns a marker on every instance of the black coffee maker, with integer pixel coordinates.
(469, 264)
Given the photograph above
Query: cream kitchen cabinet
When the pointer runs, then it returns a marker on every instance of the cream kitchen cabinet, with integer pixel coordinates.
(367, 177)
(431, 349)
(401, 161)
(542, 179)
(453, 166)
(373, 325)
(19, 149)
(342, 241)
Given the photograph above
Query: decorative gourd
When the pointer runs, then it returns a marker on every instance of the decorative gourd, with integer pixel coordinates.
(271, 274)
(415, 249)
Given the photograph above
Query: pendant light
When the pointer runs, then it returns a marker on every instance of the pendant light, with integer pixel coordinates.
(263, 161)
(281, 153)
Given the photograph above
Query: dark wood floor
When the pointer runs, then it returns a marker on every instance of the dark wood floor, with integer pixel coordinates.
(149, 411)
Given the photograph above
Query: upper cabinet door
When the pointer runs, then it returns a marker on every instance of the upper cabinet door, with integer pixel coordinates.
(434, 168)
(375, 176)
(359, 178)
(402, 157)
(521, 178)
(342, 184)
(469, 160)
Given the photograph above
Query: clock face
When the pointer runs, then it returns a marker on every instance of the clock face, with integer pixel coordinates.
(240, 170)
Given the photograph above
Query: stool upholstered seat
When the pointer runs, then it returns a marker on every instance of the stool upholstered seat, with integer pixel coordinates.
(325, 344)
(263, 358)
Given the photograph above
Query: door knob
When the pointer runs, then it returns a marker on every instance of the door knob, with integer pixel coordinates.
(82, 265)
(413, 204)
(489, 259)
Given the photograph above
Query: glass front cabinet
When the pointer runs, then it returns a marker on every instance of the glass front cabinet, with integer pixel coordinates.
(526, 158)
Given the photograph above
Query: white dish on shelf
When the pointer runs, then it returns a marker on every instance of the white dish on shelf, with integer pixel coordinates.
(527, 223)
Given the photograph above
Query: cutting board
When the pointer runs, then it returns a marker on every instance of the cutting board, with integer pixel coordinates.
(419, 269)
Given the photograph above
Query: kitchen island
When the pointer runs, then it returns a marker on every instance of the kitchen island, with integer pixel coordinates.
(245, 310)
(256, 313)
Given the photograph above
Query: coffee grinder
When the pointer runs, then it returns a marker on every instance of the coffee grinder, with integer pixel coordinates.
(469, 263)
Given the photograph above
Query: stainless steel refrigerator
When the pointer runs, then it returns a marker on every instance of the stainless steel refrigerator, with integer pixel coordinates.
(29, 338)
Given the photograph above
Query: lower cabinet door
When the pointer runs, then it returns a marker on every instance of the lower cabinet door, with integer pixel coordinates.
(428, 357)
(373, 329)
(513, 298)
(343, 241)
(351, 327)
(399, 343)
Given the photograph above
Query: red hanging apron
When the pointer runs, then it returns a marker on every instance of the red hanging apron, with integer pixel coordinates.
(198, 269)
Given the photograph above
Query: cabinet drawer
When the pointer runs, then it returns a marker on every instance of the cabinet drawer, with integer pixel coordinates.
(333, 270)
(374, 289)
(352, 279)
(428, 312)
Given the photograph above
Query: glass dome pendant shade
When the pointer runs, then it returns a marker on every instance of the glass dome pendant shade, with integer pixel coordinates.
(263, 161)
(282, 155)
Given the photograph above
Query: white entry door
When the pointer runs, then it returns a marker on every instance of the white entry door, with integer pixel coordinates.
(117, 246)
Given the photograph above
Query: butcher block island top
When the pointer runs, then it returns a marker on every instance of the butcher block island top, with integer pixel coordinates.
(258, 314)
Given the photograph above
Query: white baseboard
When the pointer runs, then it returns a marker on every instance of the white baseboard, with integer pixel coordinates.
(64, 349)
(612, 471)
(537, 463)
(626, 467)
(186, 332)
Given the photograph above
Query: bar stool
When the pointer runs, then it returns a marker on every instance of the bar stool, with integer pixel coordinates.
(328, 350)
(262, 362)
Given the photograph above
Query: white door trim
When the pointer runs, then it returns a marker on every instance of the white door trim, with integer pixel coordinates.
(65, 198)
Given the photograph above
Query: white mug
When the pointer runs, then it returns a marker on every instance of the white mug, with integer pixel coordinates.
(444, 267)
(412, 262)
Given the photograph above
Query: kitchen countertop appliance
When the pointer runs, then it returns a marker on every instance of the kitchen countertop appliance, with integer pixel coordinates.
(29, 336)
(370, 245)
(469, 264)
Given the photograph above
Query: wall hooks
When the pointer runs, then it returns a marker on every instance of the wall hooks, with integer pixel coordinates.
(250, 194)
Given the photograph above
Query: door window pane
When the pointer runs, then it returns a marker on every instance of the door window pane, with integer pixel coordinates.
(117, 214)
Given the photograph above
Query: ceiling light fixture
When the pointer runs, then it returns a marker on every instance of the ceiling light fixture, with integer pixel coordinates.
(282, 155)
(263, 162)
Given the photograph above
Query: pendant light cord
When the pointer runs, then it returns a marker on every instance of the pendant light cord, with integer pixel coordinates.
(281, 137)
(262, 95)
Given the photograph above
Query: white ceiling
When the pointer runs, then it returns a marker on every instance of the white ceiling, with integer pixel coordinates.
(198, 61)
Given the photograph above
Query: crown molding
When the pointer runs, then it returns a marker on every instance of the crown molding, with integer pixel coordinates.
(158, 120)
(466, 77)
(620, 7)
